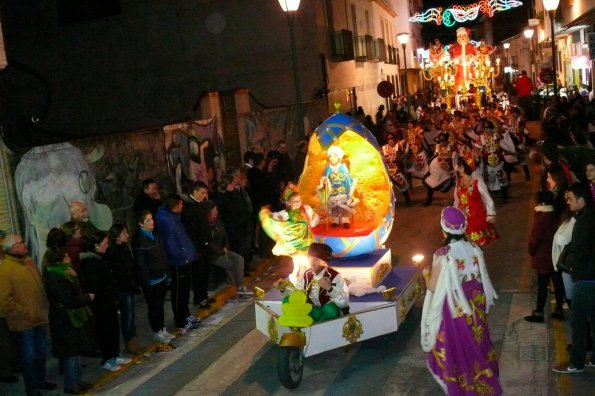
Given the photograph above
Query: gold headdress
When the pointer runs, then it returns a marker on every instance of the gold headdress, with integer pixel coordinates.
(290, 189)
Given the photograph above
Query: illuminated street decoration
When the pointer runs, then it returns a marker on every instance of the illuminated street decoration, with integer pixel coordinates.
(463, 13)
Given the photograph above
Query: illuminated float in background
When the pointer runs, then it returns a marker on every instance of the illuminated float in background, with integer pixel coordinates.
(461, 70)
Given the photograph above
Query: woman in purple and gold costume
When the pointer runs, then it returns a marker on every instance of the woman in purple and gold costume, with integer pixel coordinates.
(454, 328)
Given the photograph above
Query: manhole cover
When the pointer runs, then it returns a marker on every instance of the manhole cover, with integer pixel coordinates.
(533, 352)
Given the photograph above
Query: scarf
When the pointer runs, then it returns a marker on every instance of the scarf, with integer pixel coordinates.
(78, 316)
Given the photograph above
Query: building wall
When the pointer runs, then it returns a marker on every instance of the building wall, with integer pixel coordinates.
(573, 9)
(149, 65)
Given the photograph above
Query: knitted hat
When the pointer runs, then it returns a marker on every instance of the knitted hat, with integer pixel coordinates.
(453, 220)
(321, 251)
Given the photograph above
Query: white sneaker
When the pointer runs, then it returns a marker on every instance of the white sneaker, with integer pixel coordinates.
(111, 365)
(167, 334)
(160, 337)
(123, 360)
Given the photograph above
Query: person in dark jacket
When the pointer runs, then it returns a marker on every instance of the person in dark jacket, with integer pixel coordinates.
(151, 264)
(263, 189)
(580, 258)
(195, 219)
(70, 317)
(234, 211)
(220, 253)
(285, 163)
(56, 238)
(149, 199)
(74, 242)
(540, 248)
(98, 278)
(300, 158)
(181, 254)
(119, 256)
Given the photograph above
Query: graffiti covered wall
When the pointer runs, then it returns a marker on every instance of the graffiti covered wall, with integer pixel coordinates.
(104, 173)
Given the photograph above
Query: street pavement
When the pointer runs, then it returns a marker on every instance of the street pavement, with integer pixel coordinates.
(227, 356)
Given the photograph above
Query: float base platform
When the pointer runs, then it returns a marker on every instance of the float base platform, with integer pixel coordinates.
(370, 316)
(368, 270)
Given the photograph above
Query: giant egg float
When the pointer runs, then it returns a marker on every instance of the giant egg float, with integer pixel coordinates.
(372, 217)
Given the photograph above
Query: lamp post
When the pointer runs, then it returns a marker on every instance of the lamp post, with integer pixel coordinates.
(290, 8)
(528, 33)
(403, 38)
(422, 62)
(551, 6)
(507, 66)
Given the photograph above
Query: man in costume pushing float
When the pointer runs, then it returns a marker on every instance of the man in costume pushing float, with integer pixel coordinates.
(325, 288)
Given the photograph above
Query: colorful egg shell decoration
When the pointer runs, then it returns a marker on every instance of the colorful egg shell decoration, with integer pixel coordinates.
(373, 214)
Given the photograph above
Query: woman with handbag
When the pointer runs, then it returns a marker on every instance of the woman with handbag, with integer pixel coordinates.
(540, 247)
(70, 318)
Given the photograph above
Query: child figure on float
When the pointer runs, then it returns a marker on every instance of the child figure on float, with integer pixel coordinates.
(336, 188)
(290, 228)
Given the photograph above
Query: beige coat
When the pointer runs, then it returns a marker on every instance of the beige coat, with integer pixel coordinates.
(22, 297)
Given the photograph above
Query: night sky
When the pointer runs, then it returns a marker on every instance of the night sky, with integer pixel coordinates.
(505, 23)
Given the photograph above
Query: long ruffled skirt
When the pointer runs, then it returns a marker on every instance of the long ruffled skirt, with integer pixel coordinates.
(463, 361)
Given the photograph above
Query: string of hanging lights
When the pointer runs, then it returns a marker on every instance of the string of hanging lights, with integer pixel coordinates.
(463, 13)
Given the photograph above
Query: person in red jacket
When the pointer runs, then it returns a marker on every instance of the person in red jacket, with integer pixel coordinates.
(540, 249)
(524, 86)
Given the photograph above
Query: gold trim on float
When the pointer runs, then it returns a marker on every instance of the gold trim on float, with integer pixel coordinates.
(383, 269)
(403, 309)
(352, 329)
(389, 294)
(273, 333)
(258, 293)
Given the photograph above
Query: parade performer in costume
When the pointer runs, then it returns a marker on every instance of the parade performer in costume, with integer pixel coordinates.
(337, 188)
(440, 175)
(463, 55)
(437, 52)
(325, 287)
(454, 328)
(519, 134)
(493, 154)
(391, 153)
(473, 198)
(414, 147)
(290, 228)
(458, 126)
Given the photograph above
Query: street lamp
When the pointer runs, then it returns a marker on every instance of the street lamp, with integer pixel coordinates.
(403, 38)
(551, 6)
(528, 33)
(290, 8)
(422, 62)
(507, 63)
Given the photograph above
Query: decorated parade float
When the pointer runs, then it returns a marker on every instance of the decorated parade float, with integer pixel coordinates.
(348, 203)
(464, 69)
